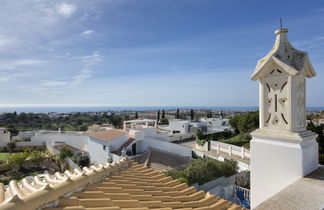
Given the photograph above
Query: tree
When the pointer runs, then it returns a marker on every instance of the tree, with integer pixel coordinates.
(83, 161)
(11, 146)
(164, 121)
(136, 115)
(16, 160)
(83, 128)
(36, 157)
(204, 170)
(163, 114)
(199, 135)
(13, 131)
(158, 116)
(192, 114)
(64, 153)
(177, 114)
(245, 122)
(209, 114)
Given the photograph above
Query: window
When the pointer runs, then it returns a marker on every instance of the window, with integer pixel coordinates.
(104, 147)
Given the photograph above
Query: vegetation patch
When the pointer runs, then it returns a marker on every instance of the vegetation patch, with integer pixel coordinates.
(69, 122)
(27, 163)
(319, 130)
(203, 170)
(3, 156)
(238, 140)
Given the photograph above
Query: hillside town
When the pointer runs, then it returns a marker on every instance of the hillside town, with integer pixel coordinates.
(174, 159)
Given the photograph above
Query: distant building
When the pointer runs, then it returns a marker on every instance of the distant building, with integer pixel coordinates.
(4, 135)
(54, 115)
(96, 128)
(217, 124)
(100, 144)
(205, 125)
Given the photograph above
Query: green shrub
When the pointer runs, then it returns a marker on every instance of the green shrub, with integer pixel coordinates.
(321, 159)
(204, 170)
(16, 160)
(64, 153)
(201, 139)
(194, 155)
(11, 146)
(201, 142)
(183, 180)
(83, 161)
(6, 180)
(242, 139)
(37, 157)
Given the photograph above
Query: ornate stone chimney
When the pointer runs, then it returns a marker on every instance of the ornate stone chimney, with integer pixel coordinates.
(282, 150)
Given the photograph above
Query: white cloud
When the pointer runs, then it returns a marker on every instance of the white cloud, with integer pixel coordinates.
(52, 83)
(90, 60)
(5, 41)
(13, 64)
(83, 75)
(66, 9)
(5, 77)
(87, 32)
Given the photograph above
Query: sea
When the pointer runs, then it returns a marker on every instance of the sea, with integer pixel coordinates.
(69, 109)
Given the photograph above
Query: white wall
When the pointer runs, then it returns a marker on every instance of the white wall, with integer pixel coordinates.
(224, 147)
(77, 141)
(138, 134)
(151, 132)
(182, 126)
(116, 143)
(5, 136)
(96, 152)
(168, 147)
(275, 164)
(22, 144)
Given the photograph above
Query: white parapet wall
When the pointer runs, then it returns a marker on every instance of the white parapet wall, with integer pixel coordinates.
(168, 147)
(230, 149)
(74, 140)
(275, 164)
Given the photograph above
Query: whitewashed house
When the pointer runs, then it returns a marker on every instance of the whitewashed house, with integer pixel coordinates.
(186, 126)
(4, 135)
(205, 125)
(215, 125)
(146, 136)
(100, 145)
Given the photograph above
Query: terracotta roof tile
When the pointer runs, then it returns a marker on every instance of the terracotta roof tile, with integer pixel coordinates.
(107, 135)
(122, 185)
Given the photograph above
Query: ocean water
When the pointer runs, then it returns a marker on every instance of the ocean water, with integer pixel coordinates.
(69, 109)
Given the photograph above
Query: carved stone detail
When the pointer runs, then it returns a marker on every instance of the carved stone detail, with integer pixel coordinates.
(275, 99)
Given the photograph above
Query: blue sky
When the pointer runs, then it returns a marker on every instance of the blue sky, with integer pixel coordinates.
(148, 52)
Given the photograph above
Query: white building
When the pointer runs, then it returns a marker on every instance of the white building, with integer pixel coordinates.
(4, 135)
(100, 145)
(205, 125)
(147, 136)
(72, 138)
(185, 126)
(131, 124)
(282, 150)
(217, 124)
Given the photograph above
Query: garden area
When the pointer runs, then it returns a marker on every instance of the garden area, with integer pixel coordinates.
(203, 170)
(27, 163)
(3, 156)
(242, 124)
(30, 162)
